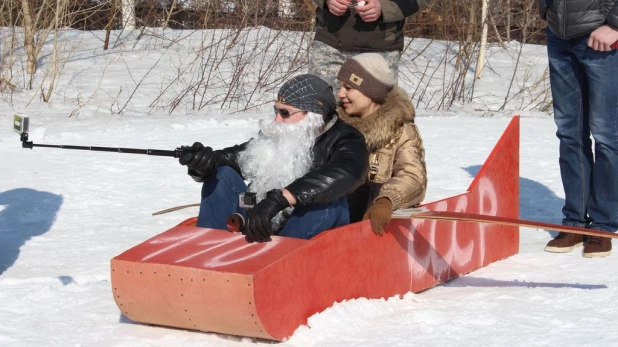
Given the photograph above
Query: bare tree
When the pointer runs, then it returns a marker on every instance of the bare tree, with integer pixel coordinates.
(245, 49)
(59, 12)
(110, 23)
(8, 44)
(508, 19)
(32, 21)
(483, 47)
(169, 13)
(128, 14)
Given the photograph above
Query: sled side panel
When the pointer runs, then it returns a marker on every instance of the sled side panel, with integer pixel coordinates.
(442, 250)
(340, 264)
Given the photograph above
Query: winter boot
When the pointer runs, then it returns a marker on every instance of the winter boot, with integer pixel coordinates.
(597, 247)
(564, 242)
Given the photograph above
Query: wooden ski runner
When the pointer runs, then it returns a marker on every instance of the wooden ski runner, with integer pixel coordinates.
(172, 209)
(423, 213)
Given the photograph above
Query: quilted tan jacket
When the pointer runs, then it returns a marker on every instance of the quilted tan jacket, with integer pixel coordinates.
(397, 156)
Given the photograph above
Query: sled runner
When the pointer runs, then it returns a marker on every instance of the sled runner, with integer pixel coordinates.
(213, 280)
(423, 213)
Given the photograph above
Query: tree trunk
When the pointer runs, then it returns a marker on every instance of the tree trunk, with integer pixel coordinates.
(60, 9)
(508, 20)
(110, 24)
(481, 59)
(128, 14)
(29, 37)
(471, 22)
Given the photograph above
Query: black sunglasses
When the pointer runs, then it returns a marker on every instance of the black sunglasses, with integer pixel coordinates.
(285, 113)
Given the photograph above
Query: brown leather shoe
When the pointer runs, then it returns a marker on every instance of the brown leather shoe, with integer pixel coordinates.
(564, 242)
(598, 247)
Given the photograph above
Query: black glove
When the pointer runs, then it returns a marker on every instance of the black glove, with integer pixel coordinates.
(200, 160)
(259, 224)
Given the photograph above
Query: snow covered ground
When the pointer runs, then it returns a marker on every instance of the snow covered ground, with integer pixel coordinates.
(64, 214)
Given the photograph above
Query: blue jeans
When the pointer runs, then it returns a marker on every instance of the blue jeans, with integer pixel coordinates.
(584, 85)
(220, 199)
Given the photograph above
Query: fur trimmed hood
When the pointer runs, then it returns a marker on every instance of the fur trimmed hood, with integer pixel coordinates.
(386, 124)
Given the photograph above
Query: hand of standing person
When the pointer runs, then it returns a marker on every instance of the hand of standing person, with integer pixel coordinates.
(370, 11)
(338, 7)
(603, 38)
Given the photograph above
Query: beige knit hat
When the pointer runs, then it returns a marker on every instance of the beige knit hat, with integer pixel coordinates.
(370, 74)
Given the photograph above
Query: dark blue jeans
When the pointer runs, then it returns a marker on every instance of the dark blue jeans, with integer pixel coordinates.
(220, 199)
(584, 85)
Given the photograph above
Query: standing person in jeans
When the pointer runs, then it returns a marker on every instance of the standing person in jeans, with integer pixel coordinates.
(584, 75)
(345, 28)
(301, 165)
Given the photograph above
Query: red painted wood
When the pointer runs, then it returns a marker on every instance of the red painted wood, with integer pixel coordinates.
(268, 290)
(444, 249)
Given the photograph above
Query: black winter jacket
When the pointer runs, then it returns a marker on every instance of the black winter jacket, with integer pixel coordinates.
(574, 18)
(350, 33)
(339, 165)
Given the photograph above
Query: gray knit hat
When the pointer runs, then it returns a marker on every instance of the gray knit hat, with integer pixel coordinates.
(370, 74)
(309, 93)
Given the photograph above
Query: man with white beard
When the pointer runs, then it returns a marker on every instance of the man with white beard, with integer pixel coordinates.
(301, 165)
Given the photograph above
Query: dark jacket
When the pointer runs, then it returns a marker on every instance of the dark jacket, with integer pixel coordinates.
(574, 18)
(339, 165)
(396, 159)
(350, 33)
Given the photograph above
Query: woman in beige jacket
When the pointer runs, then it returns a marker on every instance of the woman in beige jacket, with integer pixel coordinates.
(384, 114)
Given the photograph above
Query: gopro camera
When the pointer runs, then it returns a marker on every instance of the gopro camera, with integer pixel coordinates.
(247, 200)
(21, 124)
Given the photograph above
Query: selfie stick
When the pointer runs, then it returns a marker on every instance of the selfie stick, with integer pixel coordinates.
(21, 124)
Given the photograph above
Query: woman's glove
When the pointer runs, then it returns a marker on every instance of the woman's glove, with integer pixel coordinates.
(200, 160)
(380, 214)
(259, 218)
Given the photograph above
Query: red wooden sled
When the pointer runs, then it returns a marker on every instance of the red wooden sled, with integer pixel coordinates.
(213, 280)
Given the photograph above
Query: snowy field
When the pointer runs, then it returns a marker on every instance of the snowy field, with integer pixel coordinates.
(64, 214)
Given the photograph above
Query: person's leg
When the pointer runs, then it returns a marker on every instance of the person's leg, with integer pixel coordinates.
(601, 71)
(220, 198)
(569, 88)
(325, 62)
(570, 116)
(306, 222)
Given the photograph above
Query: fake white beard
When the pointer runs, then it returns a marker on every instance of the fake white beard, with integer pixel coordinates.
(280, 153)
